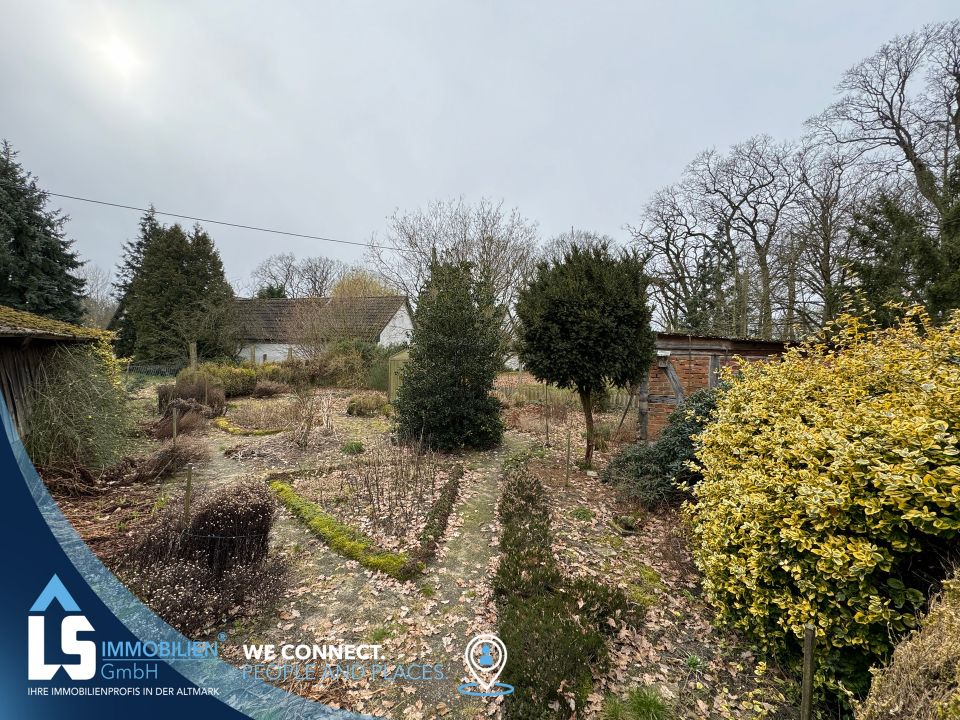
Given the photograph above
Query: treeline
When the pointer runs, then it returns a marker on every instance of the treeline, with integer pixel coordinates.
(769, 238)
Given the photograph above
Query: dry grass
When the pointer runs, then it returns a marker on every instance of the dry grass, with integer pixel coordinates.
(922, 681)
(169, 458)
(264, 414)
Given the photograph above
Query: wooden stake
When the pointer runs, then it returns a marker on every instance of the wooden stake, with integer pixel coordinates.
(806, 687)
(546, 413)
(176, 414)
(188, 495)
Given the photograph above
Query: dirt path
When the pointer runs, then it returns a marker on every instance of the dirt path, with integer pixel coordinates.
(427, 621)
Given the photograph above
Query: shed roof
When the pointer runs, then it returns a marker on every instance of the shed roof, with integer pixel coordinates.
(718, 344)
(23, 324)
(280, 319)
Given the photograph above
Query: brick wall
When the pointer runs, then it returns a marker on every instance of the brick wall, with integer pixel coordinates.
(694, 361)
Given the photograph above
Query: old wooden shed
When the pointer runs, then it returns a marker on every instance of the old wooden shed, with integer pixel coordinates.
(26, 341)
(687, 363)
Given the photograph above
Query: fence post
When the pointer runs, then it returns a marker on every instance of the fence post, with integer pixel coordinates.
(188, 495)
(546, 413)
(175, 417)
(806, 687)
(193, 355)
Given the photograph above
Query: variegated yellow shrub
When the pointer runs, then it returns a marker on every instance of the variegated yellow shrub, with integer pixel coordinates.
(831, 491)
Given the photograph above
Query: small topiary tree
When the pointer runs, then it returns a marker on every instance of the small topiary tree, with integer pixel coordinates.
(457, 349)
(584, 324)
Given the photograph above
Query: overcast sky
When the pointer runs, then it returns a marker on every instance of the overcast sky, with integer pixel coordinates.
(323, 118)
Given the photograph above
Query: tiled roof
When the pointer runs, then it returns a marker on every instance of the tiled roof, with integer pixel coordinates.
(20, 323)
(283, 319)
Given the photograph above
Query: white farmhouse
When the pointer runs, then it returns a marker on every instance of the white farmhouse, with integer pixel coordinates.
(275, 329)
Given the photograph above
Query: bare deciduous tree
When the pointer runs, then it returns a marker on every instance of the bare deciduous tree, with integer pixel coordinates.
(900, 108)
(309, 277)
(99, 305)
(500, 243)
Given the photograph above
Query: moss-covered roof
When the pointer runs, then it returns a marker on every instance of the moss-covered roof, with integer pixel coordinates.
(19, 323)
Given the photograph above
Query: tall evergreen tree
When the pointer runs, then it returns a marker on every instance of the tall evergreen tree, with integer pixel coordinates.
(457, 349)
(905, 255)
(127, 270)
(37, 263)
(178, 294)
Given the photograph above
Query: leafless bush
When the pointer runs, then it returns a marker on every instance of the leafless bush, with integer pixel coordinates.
(311, 411)
(195, 387)
(199, 571)
(265, 414)
(169, 458)
(189, 422)
(269, 389)
(393, 485)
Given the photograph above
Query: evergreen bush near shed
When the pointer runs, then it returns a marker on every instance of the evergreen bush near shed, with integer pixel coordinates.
(658, 474)
(831, 491)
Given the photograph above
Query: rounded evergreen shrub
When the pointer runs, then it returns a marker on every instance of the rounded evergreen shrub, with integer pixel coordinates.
(831, 491)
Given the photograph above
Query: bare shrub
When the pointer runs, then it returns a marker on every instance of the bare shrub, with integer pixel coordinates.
(311, 411)
(166, 460)
(196, 386)
(169, 458)
(200, 571)
(393, 485)
(269, 389)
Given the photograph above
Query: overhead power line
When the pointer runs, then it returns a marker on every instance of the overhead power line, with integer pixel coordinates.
(225, 223)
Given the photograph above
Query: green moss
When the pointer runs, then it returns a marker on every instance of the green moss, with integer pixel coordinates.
(381, 633)
(343, 539)
(582, 513)
(352, 447)
(229, 427)
(644, 585)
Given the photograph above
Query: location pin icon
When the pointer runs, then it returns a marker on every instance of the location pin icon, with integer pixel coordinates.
(485, 657)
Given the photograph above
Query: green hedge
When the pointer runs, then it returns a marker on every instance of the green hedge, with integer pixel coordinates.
(554, 628)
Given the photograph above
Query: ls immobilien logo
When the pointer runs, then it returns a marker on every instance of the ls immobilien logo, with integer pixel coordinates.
(73, 623)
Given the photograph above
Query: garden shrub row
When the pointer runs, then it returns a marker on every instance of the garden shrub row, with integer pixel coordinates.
(439, 516)
(830, 492)
(343, 539)
(555, 628)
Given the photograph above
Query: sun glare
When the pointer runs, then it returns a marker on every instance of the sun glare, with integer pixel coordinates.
(120, 56)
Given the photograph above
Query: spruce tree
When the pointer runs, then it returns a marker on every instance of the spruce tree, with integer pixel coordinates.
(457, 350)
(179, 295)
(36, 259)
(127, 270)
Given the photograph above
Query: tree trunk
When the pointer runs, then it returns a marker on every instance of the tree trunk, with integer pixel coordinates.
(586, 399)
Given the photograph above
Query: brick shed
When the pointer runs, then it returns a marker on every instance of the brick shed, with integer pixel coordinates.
(685, 364)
